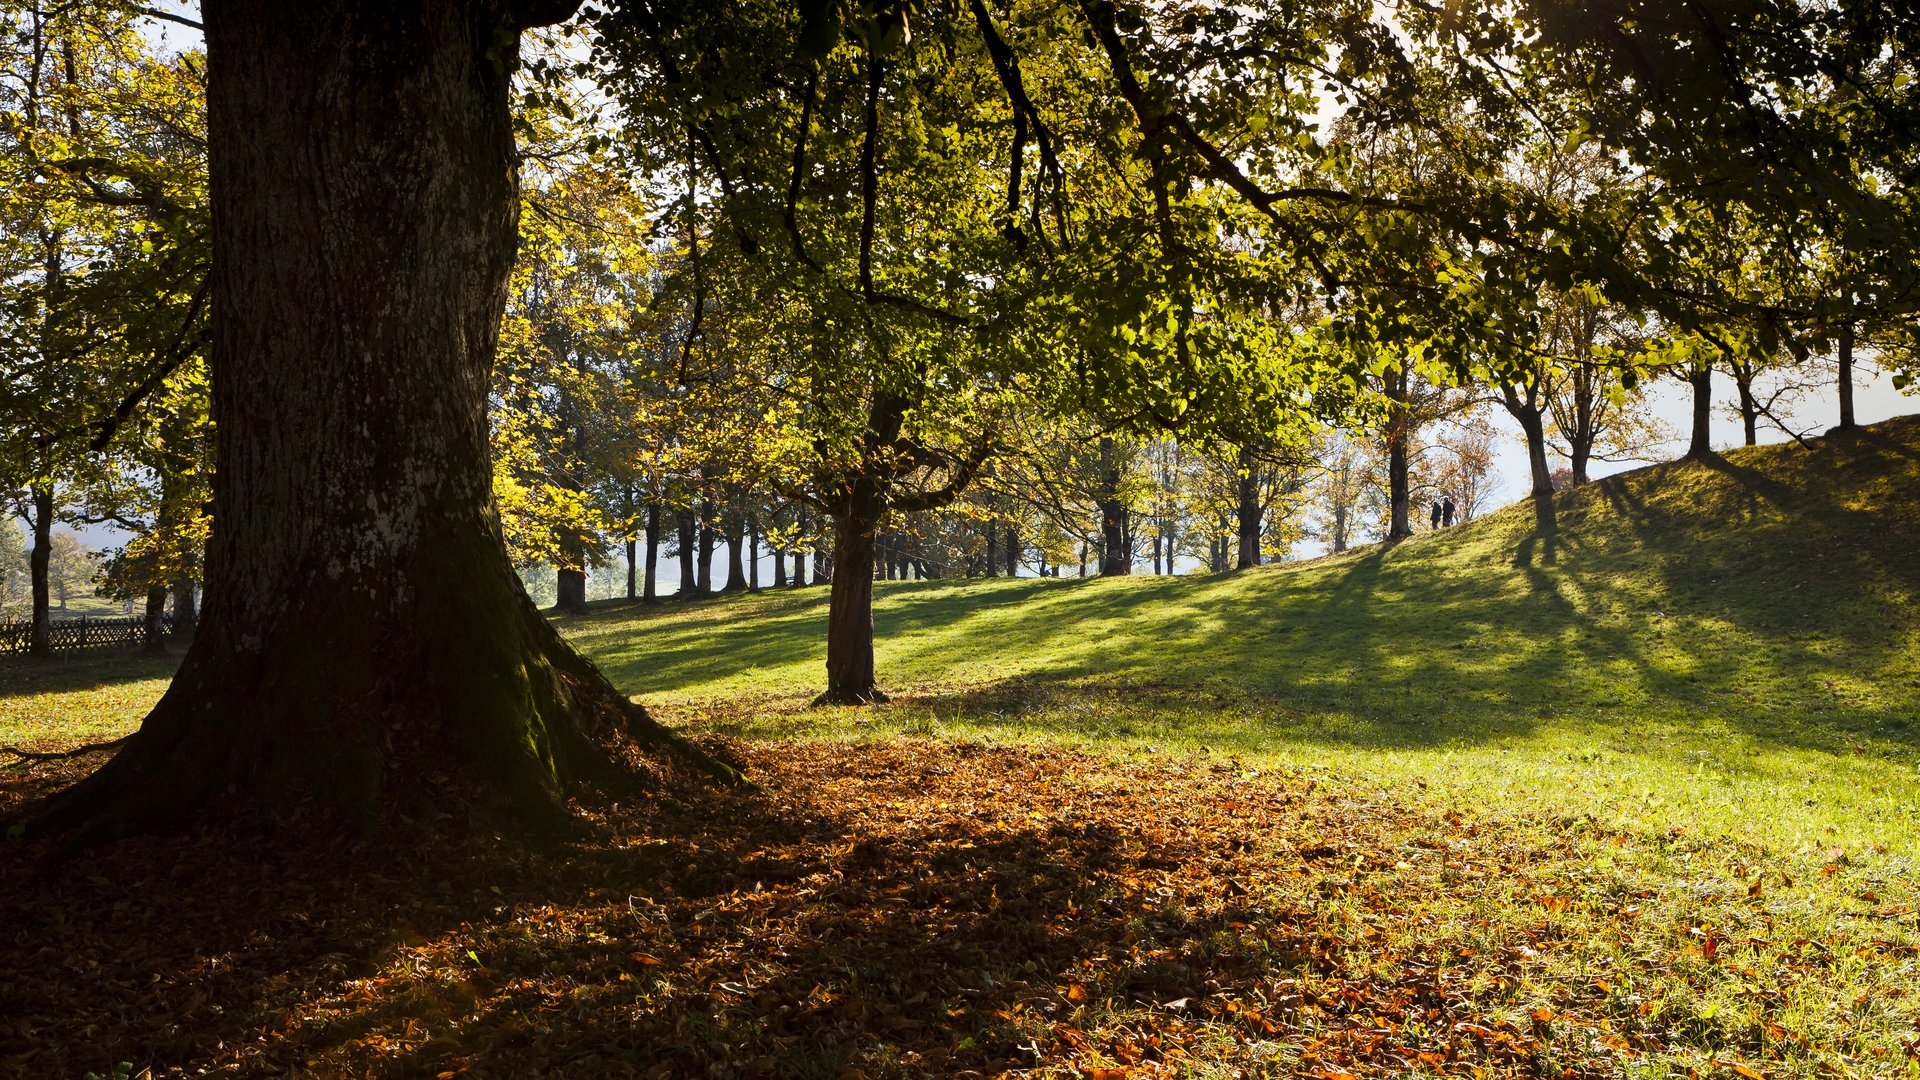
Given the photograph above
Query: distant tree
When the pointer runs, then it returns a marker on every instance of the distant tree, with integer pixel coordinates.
(14, 594)
(1465, 470)
(71, 567)
(1338, 491)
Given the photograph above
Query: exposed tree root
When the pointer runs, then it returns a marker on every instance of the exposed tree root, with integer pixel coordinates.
(34, 757)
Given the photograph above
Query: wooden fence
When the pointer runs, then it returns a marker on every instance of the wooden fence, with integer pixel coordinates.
(128, 632)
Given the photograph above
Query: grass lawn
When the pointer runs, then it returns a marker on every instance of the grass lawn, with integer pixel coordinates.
(1728, 648)
(1638, 797)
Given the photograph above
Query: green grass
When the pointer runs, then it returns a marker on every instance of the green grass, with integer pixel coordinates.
(78, 698)
(1727, 648)
(1653, 777)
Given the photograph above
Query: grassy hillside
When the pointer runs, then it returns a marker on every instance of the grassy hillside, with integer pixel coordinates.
(1634, 799)
(1726, 646)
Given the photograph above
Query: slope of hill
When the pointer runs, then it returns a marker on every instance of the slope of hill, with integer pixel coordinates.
(1727, 644)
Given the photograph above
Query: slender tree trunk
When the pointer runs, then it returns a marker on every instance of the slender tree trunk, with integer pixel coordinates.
(633, 569)
(800, 554)
(1247, 512)
(1579, 454)
(1846, 376)
(703, 569)
(850, 677)
(186, 609)
(736, 526)
(1339, 528)
(1532, 420)
(753, 553)
(153, 634)
(1013, 550)
(1700, 378)
(779, 568)
(1400, 521)
(993, 549)
(570, 587)
(1113, 517)
(1749, 407)
(823, 560)
(689, 534)
(39, 568)
(1399, 494)
(364, 632)
(649, 590)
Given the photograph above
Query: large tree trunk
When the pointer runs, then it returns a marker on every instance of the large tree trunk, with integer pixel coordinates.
(1013, 550)
(993, 549)
(850, 679)
(39, 570)
(364, 633)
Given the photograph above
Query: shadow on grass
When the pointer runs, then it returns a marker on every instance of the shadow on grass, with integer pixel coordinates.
(26, 676)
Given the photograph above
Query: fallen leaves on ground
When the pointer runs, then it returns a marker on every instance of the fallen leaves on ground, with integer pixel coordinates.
(911, 907)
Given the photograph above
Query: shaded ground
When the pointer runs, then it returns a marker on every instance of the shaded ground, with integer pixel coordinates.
(921, 908)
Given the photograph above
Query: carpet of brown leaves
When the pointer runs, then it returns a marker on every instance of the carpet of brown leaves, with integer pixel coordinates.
(916, 907)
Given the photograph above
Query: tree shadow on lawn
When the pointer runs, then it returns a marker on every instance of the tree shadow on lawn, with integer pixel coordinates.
(28, 676)
(907, 909)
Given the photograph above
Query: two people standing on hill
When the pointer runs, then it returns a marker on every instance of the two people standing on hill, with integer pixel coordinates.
(1443, 512)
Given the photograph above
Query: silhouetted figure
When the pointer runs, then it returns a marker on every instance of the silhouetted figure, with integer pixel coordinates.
(1446, 513)
(1437, 511)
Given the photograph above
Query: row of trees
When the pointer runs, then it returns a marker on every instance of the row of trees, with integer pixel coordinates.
(855, 271)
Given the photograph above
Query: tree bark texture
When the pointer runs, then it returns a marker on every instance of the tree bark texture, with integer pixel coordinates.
(363, 631)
